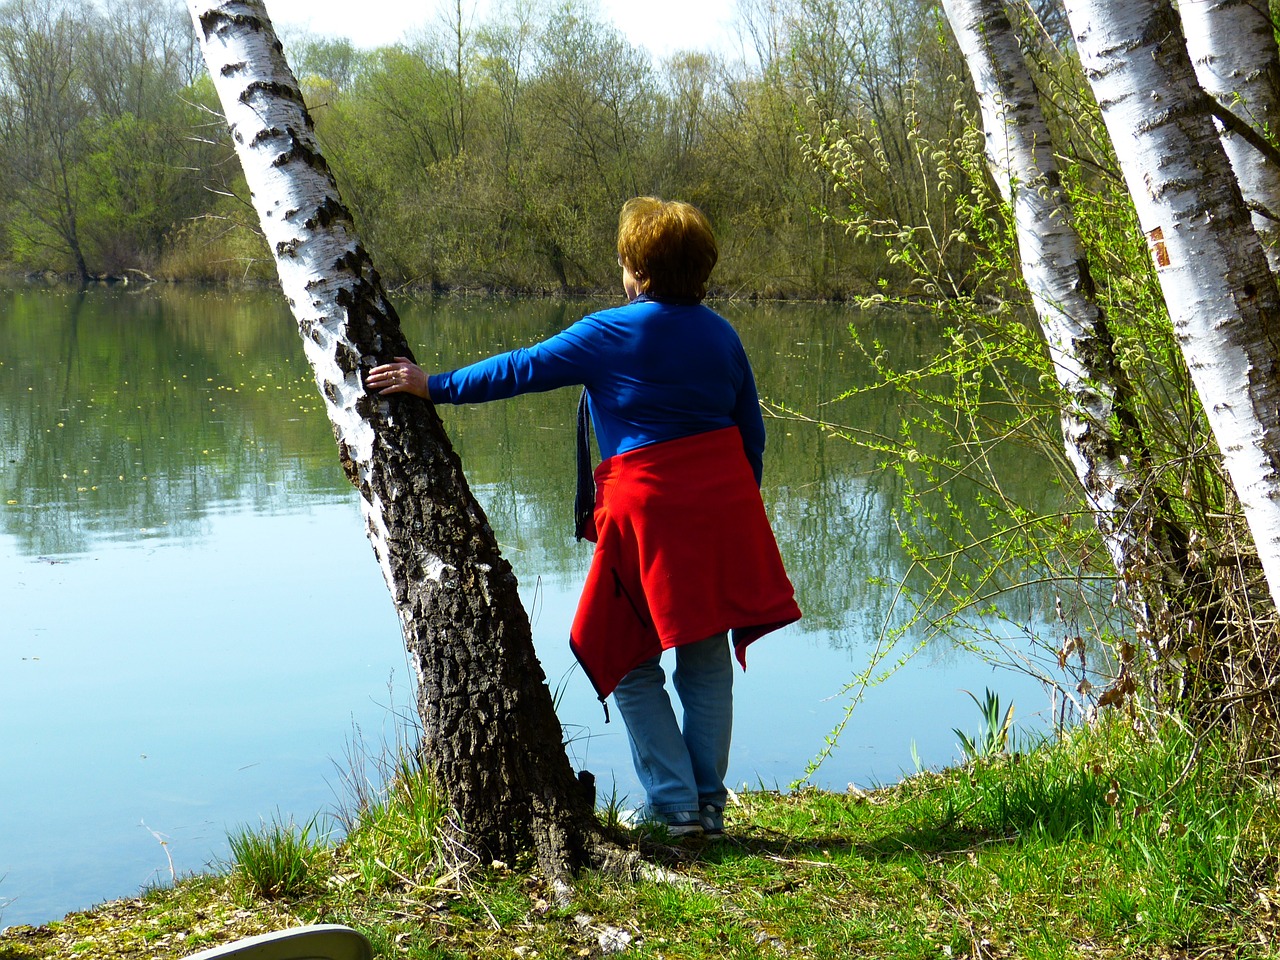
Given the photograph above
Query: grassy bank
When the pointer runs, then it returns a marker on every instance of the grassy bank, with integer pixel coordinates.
(1105, 844)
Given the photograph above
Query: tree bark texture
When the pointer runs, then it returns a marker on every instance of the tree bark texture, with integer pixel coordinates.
(1217, 285)
(1102, 437)
(490, 730)
(1232, 45)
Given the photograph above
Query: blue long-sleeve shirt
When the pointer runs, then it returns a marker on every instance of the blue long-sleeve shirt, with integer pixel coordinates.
(653, 370)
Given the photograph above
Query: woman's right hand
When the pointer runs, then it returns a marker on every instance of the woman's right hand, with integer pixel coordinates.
(402, 376)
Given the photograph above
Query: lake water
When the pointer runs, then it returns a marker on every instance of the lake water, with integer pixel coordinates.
(174, 662)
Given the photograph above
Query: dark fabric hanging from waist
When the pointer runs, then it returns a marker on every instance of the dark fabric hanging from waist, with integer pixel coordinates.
(584, 498)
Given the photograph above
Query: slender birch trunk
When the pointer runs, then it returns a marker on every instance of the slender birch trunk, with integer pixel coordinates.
(1221, 296)
(490, 730)
(1100, 435)
(1232, 45)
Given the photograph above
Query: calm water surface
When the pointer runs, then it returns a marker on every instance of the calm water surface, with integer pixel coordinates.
(194, 626)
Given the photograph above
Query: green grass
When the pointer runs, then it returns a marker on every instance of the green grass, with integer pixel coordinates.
(277, 860)
(994, 738)
(1104, 844)
(398, 837)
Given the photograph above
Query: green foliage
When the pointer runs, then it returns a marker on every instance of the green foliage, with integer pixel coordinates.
(1170, 809)
(613, 811)
(1158, 836)
(403, 836)
(491, 156)
(994, 738)
(222, 246)
(327, 64)
(398, 830)
(398, 823)
(136, 183)
(98, 148)
(276, 860)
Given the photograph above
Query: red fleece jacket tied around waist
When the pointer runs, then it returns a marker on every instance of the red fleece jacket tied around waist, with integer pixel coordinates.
(684, 551)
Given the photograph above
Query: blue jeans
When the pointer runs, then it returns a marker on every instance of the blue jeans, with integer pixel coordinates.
(681, 771)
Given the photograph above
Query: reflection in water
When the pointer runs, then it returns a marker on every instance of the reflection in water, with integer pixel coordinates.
(193, 617)
(127, 414)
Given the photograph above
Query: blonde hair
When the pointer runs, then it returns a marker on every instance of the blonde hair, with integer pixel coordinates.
(668, 246)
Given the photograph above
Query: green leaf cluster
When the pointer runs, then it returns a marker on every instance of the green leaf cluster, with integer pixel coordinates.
(488, 154)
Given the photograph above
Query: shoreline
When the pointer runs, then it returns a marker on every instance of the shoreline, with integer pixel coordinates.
(15, 278)
(1091, 845)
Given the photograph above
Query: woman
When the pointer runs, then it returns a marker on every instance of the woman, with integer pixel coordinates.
(684, 552)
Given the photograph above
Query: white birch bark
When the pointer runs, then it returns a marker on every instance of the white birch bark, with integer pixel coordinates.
(490, 734)
(1232, 45)
(1216, 282)
(292, 190)
(1054, 266)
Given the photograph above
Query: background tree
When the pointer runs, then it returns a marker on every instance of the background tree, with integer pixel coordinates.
(42, 115)
(505, 48)
(591, 84)
(99, 106)
(769, 202)
(139, 56)
(326, 65)
(493, 154)
(877, 85)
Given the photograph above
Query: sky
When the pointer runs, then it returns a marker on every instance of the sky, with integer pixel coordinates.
(661, 26)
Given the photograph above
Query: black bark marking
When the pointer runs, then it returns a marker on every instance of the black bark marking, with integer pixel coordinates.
(347, 359)
(270, 133)
(350, 469)
(331, 210)
(349, 262)
(300, 151)
(211, 21)
(272, 88)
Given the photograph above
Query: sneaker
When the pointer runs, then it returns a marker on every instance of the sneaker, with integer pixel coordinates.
(711, 818)
(676, 824)
(683, 824)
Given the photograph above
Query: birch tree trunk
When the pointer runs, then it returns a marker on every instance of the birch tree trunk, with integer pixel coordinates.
(1216, 282)
(1102, 437)
(1232, 45)
(490, 730)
